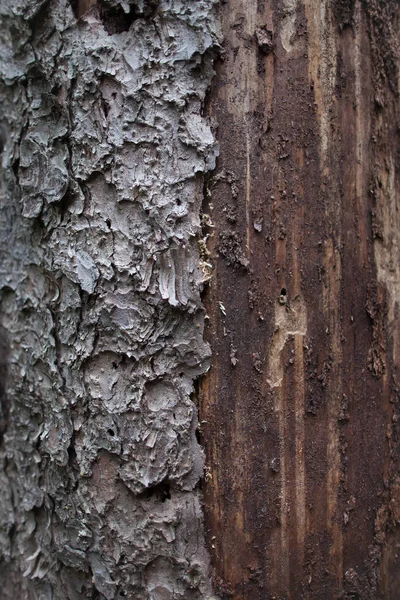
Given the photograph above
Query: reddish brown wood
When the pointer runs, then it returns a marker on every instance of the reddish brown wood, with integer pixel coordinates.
(81, 7)
(300, 408)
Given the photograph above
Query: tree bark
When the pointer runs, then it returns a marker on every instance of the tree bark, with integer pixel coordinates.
(104, 150)
(300, 409)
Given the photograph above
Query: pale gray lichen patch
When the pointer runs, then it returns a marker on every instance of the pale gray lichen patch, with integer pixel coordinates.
(104, 148)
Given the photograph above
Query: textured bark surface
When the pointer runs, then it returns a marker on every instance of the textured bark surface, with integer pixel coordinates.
(103, 149)
(300, 409)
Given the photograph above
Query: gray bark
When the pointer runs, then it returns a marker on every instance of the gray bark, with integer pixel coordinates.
(104, 151)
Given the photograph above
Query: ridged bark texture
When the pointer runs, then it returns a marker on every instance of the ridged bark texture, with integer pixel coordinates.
(104, 150)
(301, 407)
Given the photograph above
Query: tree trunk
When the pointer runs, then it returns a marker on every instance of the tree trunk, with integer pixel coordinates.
(300, 410)
(114, 217)
(104, 150)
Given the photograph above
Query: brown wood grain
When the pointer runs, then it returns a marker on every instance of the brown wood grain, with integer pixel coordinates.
(300, 408)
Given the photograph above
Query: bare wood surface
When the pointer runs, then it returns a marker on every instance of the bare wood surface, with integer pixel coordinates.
(300, 409)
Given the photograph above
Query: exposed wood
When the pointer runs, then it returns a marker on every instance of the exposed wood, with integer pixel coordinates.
(300, 409)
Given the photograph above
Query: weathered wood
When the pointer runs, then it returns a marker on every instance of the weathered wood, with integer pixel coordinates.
(300, 409)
